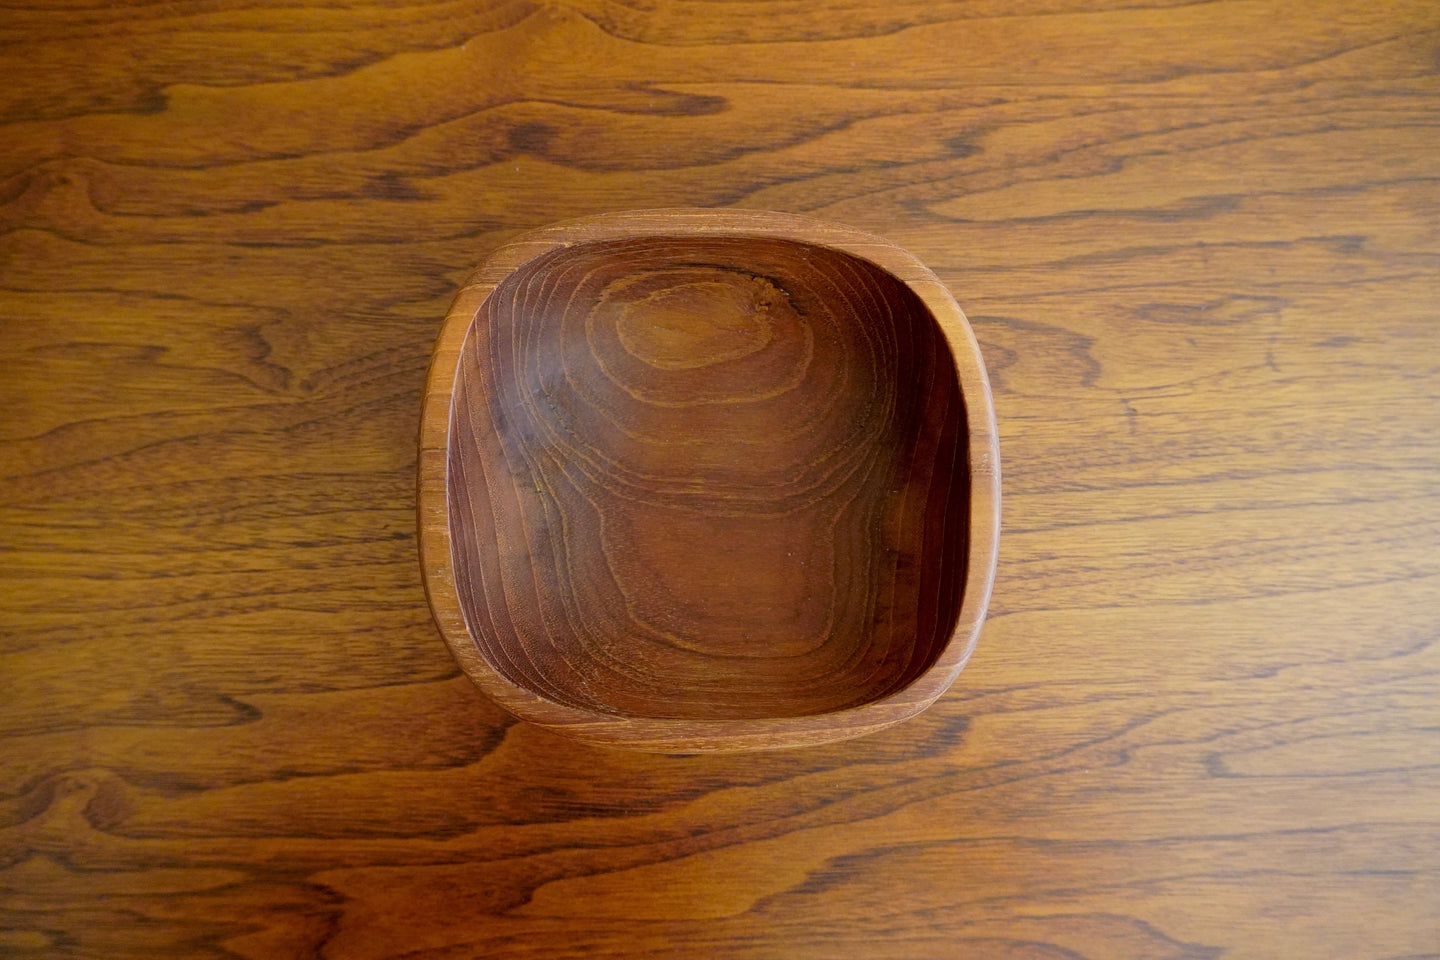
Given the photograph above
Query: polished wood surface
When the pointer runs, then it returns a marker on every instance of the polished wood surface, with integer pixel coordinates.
(1197, 242)
(698, 479)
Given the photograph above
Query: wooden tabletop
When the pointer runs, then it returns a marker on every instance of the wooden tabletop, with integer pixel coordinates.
(1200, 247)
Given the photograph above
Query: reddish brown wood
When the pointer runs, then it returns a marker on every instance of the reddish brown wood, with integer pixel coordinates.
(708, 480)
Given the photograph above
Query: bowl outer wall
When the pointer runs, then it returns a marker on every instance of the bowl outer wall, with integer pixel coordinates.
(678, 735)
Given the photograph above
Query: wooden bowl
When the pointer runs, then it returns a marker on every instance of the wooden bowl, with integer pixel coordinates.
(708, 480)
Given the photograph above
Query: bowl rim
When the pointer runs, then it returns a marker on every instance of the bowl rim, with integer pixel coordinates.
(667, 735)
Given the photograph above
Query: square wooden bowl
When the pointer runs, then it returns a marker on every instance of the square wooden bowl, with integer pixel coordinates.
(708, 480)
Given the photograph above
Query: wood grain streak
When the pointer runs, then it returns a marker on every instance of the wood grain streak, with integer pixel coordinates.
(1199, 245)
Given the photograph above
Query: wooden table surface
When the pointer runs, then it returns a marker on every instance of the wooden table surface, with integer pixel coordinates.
(1199, 244)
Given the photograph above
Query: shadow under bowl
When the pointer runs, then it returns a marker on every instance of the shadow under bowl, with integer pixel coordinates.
(708, 480)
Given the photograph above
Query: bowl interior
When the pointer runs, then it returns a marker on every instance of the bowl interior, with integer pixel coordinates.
(707, 478)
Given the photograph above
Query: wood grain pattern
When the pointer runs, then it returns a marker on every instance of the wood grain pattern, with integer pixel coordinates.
(698, 480)
(1197, 242)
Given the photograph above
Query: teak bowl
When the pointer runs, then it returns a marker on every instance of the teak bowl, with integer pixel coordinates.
(708, 480)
